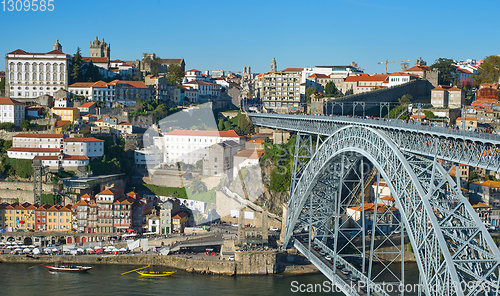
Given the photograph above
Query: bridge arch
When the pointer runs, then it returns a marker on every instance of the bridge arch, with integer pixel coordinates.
(441, 225)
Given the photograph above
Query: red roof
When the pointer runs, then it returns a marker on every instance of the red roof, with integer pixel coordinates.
(136, 84)
(9, 101)
(417, 68)
(124, 123)
(87, 105)
(180, 215)
(61, 123)
(318, 76)
(22, 52)
(95, 59)
(27, 135)
(230, 133)
(252, 154)
(293, 70)
(193, 70)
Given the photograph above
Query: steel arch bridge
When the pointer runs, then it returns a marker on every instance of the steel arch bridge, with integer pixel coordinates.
(327, 208)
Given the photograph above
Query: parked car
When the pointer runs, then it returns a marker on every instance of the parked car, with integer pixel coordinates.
(230, 258)
(328, 257)
(353, 279)
(345, 271)
(274, 229)
(235, 225)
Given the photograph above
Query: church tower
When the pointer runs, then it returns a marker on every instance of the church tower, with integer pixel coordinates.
(100, 49)
(57, 46)
(273, 66)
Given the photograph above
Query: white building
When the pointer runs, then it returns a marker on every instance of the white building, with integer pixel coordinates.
(193, 75)
(94, 91)
(27, 146)
(30, 75)
(398, 78)
(189, 146)
(205, 88)
(89, 147)
(11, 111)
(61, 103)
(64, 161)
(124, 128)
(148, 158)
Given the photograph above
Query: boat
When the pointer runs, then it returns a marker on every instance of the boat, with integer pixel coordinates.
(68, 268)
(155, 273)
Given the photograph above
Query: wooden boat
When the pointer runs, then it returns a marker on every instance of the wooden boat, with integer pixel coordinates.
(69, 268)
(155, 273)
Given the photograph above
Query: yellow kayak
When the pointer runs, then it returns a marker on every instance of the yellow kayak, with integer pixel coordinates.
(155, 274)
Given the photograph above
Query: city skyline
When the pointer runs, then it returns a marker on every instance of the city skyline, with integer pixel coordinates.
(227, 35)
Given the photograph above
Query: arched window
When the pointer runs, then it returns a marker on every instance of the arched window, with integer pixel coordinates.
(48, 76)
(61, 77)
(34, 67)
(54, 77)
(34, 76)
(11, 76)
(26, 67)
(47, 68)
(19, 67)
(12, 66)
(40, 67)
(61, 68)
(41, 77)
(54, 67)
(26, 76)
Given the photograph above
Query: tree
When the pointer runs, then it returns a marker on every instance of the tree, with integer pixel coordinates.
(25, 124)
(405, 99)
(174, 74)
(447, 71)
(92, 73)
(245, 126)
(198, 186)
(488, 72)
(76, 71)
(199, 164)
(309, 91)
(330, 89)
(2, 84)
(429, 114)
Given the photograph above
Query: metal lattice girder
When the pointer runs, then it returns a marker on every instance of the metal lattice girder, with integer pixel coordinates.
(476, 149)
(449, 241)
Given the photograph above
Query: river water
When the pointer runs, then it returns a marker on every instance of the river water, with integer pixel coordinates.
(30, 279)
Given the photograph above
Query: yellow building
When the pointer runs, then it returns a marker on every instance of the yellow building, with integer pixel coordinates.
(19, 216)
(66, 113)
(59, 218)
(61, 126)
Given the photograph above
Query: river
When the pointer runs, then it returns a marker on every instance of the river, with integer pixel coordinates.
(29, 279)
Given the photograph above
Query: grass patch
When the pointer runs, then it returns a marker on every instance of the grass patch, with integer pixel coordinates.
(208, 196)
(159, 190)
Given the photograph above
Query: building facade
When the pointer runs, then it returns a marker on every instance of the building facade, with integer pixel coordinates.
(11, 111)
(30, 75)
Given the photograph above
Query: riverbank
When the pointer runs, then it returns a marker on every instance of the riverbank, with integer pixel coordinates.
(249, 263)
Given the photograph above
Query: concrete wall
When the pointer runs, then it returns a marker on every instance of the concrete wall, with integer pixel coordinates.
(8, 135)
(9, 191)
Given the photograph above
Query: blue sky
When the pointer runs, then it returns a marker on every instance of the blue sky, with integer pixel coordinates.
(231, 34)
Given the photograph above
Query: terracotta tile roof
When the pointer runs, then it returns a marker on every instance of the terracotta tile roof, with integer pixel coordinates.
(61, 123)
(27, 135)
(293, 70)
(82, 140)
(43, 207)
(40, 150)
(468, 118)
(117, 61)
(127, 65)
(9, 101)
(82, 84)
(22, 52)
(252, 154)
(193, 70)
(124, 123)
(417, 68)
(488, 183)
(230, 133)
(95, 59)
(370, 207)
(180, 215)
(454, 89)
(376, 77)
(136, 84)
(318, 76)
(171, 61)
(87, 105)
(199, 82)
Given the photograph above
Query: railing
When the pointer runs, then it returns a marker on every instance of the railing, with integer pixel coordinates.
(387, 123)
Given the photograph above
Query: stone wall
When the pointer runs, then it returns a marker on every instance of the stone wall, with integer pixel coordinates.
(416, 88)
(21, 191)
(4, 135)
(252, 263)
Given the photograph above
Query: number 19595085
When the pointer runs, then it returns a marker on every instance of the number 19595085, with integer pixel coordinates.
(27, 5)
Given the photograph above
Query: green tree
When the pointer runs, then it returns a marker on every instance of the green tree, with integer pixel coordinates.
(76, 71)
(488, 72)
(92, 73)
(330, 89)
(429, 114)
(2, 84)
(245, 126)
(174, 74)
(220, 125)
(309, 91)
(199, 164)
(405, 99)
(25, 124)
(447, 71)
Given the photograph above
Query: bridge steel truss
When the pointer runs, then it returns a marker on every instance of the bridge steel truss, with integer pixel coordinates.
(450, 243)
